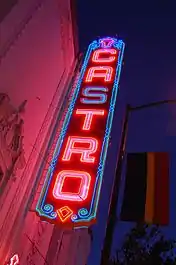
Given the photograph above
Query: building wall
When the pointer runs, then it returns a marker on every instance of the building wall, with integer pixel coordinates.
(37, 60)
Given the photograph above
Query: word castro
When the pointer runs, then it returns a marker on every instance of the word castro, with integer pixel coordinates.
(71, 193)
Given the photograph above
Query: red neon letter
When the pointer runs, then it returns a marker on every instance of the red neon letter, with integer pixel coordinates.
(88, 116)
(96, 56)
(99, 71)
(84, 151)
(83, 187)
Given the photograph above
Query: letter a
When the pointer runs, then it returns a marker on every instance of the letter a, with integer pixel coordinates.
(104, 72)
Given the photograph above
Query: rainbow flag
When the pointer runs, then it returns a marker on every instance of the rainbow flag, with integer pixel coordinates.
(146, 192)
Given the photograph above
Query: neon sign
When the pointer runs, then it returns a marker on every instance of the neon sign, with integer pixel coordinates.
(73, 183)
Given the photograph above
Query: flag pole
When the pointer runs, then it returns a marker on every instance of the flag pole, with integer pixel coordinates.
(111, 220)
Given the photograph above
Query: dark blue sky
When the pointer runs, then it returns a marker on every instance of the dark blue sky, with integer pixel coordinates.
(149, 74)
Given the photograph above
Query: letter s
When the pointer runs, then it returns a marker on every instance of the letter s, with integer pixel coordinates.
(94, 98)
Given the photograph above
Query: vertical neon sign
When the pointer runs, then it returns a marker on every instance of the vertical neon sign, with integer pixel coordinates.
(72, 188)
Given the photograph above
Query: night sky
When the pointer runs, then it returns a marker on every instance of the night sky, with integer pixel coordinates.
(149, 74)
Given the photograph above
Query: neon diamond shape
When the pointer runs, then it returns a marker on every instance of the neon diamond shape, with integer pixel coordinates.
(64, 213)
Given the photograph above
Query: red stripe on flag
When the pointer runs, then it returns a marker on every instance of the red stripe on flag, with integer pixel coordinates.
(161, 212)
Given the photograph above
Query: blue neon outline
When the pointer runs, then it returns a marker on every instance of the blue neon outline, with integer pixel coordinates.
(94, 203)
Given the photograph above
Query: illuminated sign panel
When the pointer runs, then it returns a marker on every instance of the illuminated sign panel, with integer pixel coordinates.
(72, 188)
